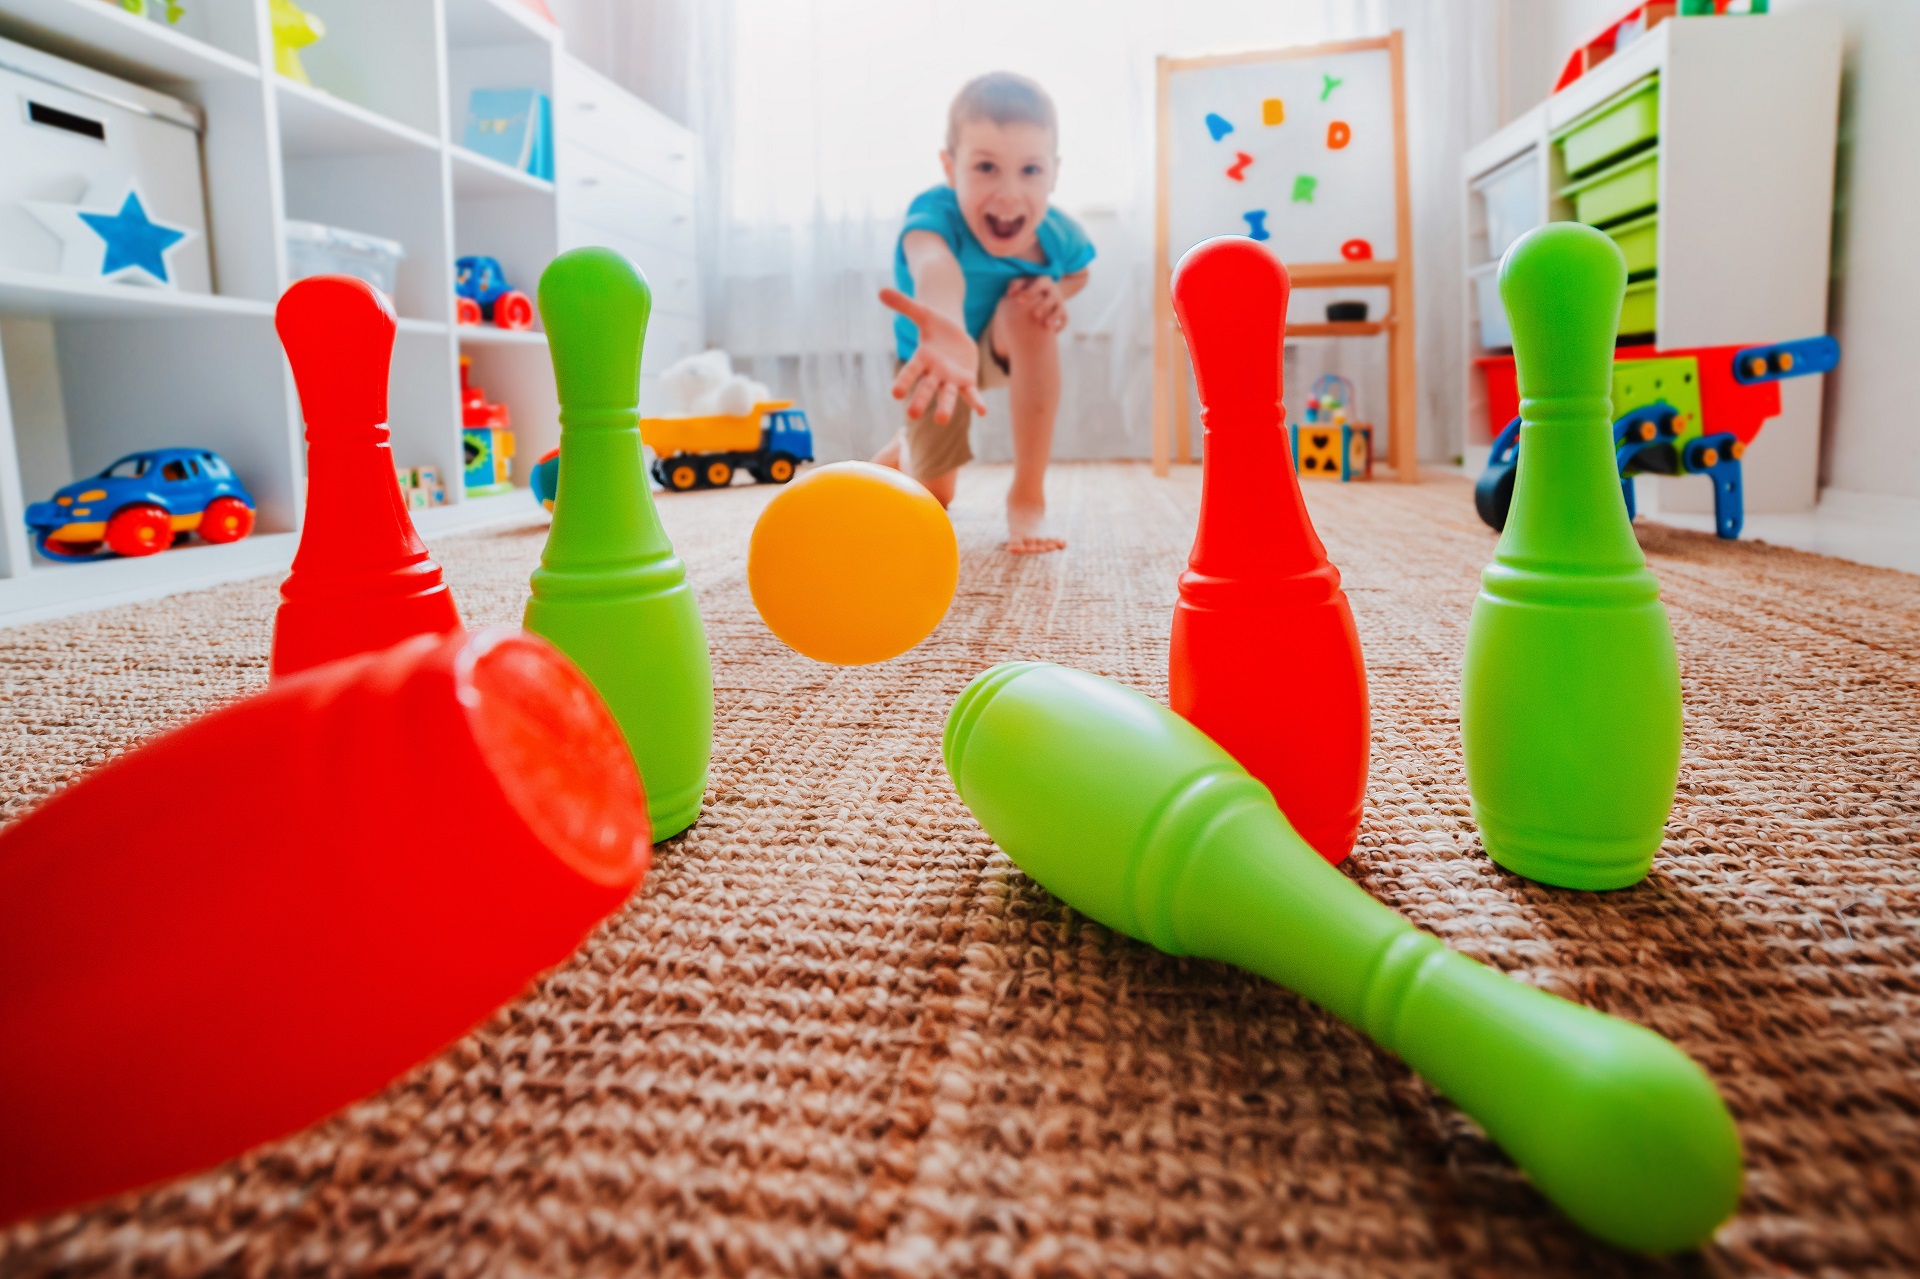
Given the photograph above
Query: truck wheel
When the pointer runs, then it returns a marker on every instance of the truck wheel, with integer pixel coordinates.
(226, 519)
(140, 530)
(681, 476)
(1493, 495)
(719, 474)
(779, 470)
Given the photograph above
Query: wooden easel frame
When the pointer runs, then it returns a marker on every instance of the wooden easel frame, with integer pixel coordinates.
(1172, 431)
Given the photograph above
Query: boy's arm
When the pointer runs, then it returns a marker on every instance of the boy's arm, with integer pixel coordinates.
(1046, 298)
(946, 365)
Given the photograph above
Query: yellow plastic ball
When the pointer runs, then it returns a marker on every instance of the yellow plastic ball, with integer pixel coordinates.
(853, 563)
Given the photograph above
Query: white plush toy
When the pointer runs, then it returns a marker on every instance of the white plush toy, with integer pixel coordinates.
(705, 385)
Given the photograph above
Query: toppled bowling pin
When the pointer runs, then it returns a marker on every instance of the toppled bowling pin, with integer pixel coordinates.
(1136, 819)
(610, 592)
(1570, 695)
(362, 579)
(255, 919)
(1264, 659)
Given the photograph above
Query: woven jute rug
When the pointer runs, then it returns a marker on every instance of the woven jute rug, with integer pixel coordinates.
(839, 1033)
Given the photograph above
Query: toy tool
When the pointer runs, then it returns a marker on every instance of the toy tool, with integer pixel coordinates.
(1570, 696)
(246, 924)
(1135, 818)
(362, 578)
(855, 563)
(609, 591)
(1265, 659)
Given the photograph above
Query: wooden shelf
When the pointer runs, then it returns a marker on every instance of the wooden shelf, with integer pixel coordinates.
(478, 175)
(1338, 329)
(492, 511)
(108, 37)
(22, 293)
(49, 590)
(314, 123)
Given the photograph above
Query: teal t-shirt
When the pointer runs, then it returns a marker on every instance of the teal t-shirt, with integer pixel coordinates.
(937, 209)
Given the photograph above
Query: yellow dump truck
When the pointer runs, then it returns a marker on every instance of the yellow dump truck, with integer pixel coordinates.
(704, 452)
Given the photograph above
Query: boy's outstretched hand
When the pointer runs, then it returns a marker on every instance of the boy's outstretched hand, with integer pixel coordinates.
(944, 368)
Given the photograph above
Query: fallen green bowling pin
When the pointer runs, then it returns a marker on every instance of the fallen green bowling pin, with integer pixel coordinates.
(609, 592)
(1570, 697)
(1134, 817)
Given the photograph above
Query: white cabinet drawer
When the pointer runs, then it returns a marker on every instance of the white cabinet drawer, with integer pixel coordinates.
(594, 190)
(594, 113)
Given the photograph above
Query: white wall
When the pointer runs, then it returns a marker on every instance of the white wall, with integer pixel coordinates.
(1870, 436)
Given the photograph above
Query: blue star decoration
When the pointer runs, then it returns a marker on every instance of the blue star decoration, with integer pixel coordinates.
(133, 239)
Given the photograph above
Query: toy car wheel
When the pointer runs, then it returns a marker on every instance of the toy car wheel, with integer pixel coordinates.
(1493, 495)
(682, 476)
(513, 310)
(466, 311)
(778, 471)
(226, 519)
(719, 474)
(140, 530)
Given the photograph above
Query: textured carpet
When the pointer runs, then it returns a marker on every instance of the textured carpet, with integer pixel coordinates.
(839, 1034)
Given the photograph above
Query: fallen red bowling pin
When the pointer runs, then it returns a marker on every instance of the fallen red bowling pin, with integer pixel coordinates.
(1264, 658)
(255, 919)
(362, 578)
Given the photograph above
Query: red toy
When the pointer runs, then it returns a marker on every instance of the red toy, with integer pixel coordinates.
(177, 992)
(1265, 659)
(362, 578)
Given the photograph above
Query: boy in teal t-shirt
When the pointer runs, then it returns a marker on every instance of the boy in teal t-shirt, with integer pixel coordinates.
(983, 271)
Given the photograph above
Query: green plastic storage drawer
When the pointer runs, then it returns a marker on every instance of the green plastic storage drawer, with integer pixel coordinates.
(1616, 194)
(1637, 308)
(1613, 128)
(1639, 241)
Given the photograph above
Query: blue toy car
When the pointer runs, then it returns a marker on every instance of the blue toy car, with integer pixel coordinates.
(482, 292)
(141, 504)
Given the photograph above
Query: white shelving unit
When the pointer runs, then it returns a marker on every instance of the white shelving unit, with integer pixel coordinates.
(92, 371)
(1748, 116)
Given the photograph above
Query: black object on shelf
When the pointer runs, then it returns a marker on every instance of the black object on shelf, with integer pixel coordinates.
(1346, 312)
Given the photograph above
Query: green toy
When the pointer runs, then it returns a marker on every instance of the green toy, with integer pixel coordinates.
(1570, 696)
(1137, 819)
(609, 592)
(293, 30)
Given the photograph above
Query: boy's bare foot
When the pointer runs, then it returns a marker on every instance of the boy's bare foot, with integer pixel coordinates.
(1027, 531)
(890, 455)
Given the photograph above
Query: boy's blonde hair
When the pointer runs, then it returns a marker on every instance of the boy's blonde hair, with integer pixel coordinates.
(1004, 98)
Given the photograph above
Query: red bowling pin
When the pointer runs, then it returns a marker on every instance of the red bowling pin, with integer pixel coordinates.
(1265, 659)
(362, 578)
(259, 917)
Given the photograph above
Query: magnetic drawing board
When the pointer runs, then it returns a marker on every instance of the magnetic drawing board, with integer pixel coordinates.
(1296, 149)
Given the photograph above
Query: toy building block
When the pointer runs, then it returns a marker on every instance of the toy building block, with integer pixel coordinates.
(187, 980)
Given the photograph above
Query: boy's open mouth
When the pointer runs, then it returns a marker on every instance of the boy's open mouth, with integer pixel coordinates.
(1004, 228)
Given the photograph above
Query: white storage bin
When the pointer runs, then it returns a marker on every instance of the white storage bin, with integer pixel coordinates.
(1511, 197)
(314, 249)
(1494, 333)
(75, 141)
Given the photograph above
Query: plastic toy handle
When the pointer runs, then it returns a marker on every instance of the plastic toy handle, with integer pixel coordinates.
(253, 920)
(1137, 819)
(595, 305)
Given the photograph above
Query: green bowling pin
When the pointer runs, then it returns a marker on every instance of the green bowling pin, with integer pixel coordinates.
(1136, 818)
(609, 592)
(1570, 697)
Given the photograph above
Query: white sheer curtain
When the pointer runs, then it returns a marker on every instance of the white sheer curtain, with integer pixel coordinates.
(820, 119)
